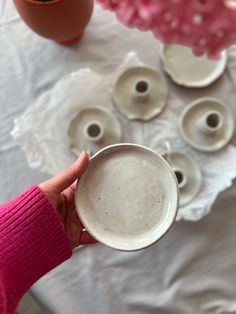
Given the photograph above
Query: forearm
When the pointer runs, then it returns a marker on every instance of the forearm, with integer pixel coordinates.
(32, 242)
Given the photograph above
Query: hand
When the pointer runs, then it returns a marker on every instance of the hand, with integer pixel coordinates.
(60, 190)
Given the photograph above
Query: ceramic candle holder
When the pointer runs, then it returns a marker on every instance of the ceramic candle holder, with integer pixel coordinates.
(210, 122)
(140, 93)
(94, 131)
(181, 178)
(141, 90)
(207, 124)
(187, 172)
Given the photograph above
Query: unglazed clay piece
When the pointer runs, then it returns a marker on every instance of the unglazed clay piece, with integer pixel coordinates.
(128, 197)
(186, 69)
(140, 93)
(207, 124)
(188, 175)
(61, 20)
(92, 129)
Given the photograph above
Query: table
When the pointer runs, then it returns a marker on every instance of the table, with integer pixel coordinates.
(192, 269)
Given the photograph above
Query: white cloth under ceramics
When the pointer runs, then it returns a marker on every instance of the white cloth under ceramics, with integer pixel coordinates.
(45, 139)
(192, 270)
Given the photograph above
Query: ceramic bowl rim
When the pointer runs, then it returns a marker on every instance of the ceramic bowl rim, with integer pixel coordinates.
(177, 195)
(41, 2)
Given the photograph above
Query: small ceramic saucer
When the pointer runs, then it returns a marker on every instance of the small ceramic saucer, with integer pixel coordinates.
(128, 197)
(187, 70)
(140, 93)
(207, 124)
(188, 175)
(92, 129)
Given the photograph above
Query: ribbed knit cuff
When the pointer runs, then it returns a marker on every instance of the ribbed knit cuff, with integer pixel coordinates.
(32, 242)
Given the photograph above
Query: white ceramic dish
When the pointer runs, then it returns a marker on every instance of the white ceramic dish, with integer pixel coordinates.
(92, 129)
(140, 93)
(207, 124)
(188, 175)
(128, 197)
(187, 70)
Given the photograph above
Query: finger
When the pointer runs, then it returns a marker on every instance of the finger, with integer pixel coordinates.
(68, 176)
(86, 238)
(73, 186)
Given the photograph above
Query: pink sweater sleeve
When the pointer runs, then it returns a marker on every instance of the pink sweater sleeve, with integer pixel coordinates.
(32, 242)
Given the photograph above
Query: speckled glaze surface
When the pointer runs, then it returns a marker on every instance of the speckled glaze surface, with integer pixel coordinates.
(92, 129)
(207, 124)
(188, 70)
(188, 175)
(128, 197)
(140, 93)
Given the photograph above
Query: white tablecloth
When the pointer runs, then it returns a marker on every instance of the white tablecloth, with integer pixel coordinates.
(191, 270)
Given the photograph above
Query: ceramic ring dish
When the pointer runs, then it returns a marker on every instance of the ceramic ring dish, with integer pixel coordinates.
(207, 124)
(188, 174)
(128, 197)
(92, 129)
(190, 71)
(140, 93)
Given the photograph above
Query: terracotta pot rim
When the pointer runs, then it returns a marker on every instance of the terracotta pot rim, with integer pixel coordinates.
(41, 2)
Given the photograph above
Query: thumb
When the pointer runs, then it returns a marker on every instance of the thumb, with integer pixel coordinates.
(68, 176)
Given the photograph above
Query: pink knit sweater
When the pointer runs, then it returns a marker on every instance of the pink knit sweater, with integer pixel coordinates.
(32, 242)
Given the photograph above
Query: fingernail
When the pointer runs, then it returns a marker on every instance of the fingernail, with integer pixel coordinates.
(81, 154)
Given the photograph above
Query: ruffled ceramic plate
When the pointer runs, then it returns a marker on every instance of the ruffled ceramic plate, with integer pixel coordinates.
(187, 70)
(128, 197)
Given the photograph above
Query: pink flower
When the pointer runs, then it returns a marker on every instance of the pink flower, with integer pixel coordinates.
(206, 26)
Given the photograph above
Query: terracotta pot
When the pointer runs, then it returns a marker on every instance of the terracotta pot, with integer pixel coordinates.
(60, 20)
